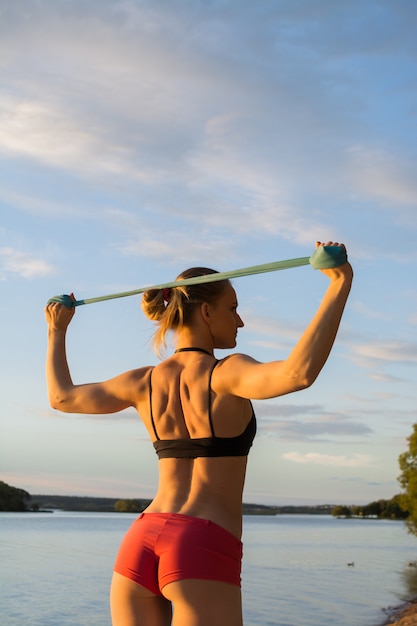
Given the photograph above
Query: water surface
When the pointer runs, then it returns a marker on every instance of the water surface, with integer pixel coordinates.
(55, 569)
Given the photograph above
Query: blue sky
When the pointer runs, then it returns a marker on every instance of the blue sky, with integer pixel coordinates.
(141, 137)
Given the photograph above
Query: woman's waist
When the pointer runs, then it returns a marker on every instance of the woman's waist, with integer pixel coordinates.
(220, 511)
(202, 488)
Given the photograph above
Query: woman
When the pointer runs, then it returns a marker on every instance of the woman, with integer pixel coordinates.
(180, 561)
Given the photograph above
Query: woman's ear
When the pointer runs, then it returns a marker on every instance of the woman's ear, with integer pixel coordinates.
(205, 312)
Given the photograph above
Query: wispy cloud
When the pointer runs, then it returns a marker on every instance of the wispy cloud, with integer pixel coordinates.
(315, 424)
(394, 351)
(315, 458)
(386, 175)
(229, 149)
(77, 483)
(17, 263)
(324, 429)
(57, 138)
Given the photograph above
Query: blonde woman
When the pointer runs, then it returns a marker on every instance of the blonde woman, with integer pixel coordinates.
(180, 562)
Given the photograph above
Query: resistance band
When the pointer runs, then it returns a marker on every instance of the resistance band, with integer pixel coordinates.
(322, 258)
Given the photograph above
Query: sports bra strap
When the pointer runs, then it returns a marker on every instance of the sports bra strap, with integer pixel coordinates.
(209, 399)
(150, 405)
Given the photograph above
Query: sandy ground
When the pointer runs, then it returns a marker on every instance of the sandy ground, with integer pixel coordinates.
(405, 615)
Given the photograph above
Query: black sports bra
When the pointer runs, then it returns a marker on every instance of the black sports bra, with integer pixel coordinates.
(204, 446)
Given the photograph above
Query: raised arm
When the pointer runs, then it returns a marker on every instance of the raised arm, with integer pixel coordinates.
(110, 396)
(243, 376)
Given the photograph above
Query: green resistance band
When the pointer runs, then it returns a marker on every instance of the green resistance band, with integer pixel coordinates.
(323, 257)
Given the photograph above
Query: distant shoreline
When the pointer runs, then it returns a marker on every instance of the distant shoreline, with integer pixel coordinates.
(107, 505)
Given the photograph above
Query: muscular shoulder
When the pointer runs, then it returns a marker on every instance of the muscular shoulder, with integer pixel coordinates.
(136, 381)
(231, 369)
(236, 360)
(241, 375)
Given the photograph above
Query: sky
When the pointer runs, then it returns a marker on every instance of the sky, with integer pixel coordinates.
(141, 137)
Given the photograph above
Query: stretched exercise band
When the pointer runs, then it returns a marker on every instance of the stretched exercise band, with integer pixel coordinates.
(323, 257)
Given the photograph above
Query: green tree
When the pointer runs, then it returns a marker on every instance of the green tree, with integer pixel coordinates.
(408, 481)
(373, 509)
(12, 498)
(128, 506)
(341, 511)
(393, 509)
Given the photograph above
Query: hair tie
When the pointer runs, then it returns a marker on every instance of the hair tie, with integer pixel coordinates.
(167, 295)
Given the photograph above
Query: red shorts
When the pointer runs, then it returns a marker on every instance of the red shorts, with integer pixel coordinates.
(160, 548)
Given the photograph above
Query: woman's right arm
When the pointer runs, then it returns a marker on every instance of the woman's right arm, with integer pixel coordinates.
(243, 376)
(109, 396)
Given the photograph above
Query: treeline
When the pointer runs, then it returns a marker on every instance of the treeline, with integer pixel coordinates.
(380, 509)
(89, 504)
(84, 504)
(265, 509)
(18, 500)
(14, 499)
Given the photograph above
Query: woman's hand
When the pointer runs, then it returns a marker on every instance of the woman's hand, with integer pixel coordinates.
(334, 273)
(59, 316)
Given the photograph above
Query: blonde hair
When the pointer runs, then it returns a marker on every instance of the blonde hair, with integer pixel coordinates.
(182, 302)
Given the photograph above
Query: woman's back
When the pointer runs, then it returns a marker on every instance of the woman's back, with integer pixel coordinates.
(202, 438)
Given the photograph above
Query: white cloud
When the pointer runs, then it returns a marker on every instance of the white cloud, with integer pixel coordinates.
(386, 378)
(58, 138)
(315, 458)
(16, 262)
(326, 428)
(158, 98)
(395, 351)
(122, 88)
(308, 422)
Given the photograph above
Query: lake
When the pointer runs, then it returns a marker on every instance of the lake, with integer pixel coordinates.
(55, 569)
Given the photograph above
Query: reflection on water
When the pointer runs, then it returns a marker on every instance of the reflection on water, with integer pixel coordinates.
(409, 578)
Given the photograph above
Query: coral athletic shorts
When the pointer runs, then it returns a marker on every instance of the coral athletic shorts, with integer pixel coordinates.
(160, 548)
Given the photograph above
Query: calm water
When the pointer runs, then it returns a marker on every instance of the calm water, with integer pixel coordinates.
(55, 569)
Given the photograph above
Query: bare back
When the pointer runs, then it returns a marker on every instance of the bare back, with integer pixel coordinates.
(210, 488)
